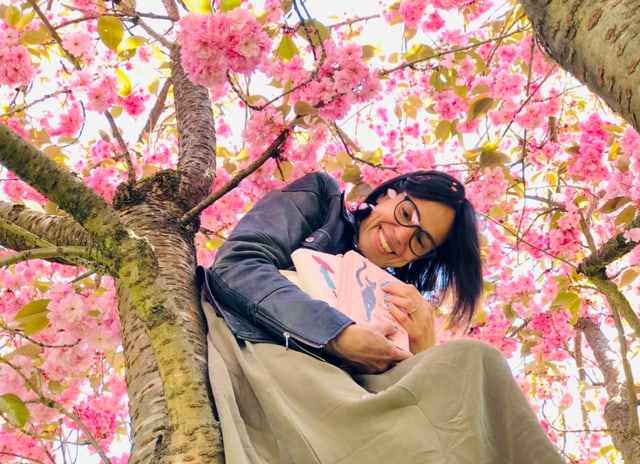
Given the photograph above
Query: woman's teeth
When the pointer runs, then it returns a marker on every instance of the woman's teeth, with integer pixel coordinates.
(383, 242)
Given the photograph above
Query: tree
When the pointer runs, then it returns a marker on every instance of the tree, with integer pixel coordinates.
(237, 99)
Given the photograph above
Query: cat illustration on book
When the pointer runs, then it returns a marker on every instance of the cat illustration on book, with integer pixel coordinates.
(350, 283)
(368, 292)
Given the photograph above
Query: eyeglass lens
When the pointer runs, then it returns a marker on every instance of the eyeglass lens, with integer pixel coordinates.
(407, 215)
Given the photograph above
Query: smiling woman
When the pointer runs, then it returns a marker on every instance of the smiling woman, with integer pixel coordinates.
(344, 393)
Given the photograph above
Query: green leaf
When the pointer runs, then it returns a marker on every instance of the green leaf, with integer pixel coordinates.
(32, 317)
(12, 406)
(111, 31)
(283, 171)
(628, 276)
(315, 32)
(491, 158)
(228, 5)
(303, 108)
(613, 204)
(443, 130)
(37, 37)
(480, 107)
(123, 83)
(131, 44)
(287, 48)
(626, 216)
(568, 300)
(198, 6)
(29, 350)
(12, 15)
(419, 52)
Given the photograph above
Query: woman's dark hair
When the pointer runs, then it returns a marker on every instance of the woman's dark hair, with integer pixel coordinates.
(456, 267)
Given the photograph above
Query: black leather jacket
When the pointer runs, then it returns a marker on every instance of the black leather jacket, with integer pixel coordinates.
(244, 282)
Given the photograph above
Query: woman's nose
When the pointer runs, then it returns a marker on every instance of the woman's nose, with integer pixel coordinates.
(404, 234)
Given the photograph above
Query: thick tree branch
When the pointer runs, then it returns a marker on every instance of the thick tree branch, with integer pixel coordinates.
(609, 252)
(22, 229)
(116, 243)
(196, 126)
(49, 253)
(617, 409)
(594, 268)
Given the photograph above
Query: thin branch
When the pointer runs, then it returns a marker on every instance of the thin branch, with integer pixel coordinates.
(274, 150)
(411, 64)
(582, 376)
(20, 333)
(149, 30)
(156, 111)
(172, 9)
(529, 244)
(632, 396)
(131, 172)
(49, 253)
(311, 77)
(54, 33)
(50, 403)
(610, 251)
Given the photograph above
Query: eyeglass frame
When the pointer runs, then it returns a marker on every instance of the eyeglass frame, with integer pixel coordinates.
(433, 251)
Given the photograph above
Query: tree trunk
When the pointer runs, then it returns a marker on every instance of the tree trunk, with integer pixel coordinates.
(171, 422)
(596, 41)
(616, 412)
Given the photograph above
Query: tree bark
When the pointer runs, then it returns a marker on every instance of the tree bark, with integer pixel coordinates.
(616, 412)
(597, 42)
(172, 421)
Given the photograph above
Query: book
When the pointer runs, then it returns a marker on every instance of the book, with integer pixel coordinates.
(350, 283)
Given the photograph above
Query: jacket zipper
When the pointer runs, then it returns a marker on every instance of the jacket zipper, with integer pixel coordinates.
(287, 335)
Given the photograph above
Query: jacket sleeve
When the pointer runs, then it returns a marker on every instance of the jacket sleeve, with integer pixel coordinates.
(245, 275)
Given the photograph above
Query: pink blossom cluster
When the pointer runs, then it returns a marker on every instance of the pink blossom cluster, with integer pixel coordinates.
(494, 331)
(18, 191)
(554, 330)
(16, 126)
(342, 81)
(214, 44)
(15, 61)
(15, 443)
(489, 189)
(82, 325)
(411, 12)
(623, 181)
(69, 122)
(564, 238)
(134, 103)
(593, 143)
(80, 44)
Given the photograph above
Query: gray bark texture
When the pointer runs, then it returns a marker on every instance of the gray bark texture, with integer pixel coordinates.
(597, 42)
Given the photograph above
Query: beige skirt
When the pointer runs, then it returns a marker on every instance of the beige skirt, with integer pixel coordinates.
(455, 403)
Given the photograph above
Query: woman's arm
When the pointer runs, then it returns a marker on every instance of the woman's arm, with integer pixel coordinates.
(245, 275)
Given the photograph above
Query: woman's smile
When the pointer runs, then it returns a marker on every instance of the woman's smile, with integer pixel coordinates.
(383, 242)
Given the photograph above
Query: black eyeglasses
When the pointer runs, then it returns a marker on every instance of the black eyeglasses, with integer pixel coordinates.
(406, 214)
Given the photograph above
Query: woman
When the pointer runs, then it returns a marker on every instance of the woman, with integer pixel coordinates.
(274, 352)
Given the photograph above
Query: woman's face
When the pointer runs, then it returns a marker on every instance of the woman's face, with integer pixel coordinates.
(385, 242)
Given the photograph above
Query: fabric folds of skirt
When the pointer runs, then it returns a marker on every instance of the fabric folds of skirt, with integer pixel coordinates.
(454, 403)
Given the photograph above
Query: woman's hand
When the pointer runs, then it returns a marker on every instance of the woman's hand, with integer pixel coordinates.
(366, 347)
(413, 313)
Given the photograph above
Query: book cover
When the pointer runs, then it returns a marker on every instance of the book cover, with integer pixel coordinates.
(361, 291)
(350, 283)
